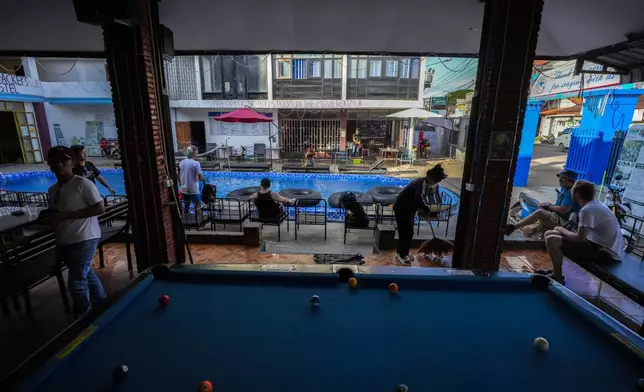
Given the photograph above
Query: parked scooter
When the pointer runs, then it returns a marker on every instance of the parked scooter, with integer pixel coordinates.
(621, 210)
(550, 139)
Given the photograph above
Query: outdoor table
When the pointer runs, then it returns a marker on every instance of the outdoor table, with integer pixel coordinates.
(11, 226)
(393, 151)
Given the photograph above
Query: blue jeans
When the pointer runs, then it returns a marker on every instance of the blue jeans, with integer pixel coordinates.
(84, 286)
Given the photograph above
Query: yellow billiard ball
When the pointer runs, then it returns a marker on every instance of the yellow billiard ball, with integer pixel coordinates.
(353, 282)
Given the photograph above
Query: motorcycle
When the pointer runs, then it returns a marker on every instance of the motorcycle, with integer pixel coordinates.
(550, 139)
(622, 210)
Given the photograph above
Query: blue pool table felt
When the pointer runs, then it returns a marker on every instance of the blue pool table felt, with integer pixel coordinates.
(452, 333)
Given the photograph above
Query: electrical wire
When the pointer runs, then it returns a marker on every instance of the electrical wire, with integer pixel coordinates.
(54, 73)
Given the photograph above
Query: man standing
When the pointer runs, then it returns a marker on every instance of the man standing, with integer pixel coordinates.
(190, 174)
(87, 169)
(598, 237)
(76, 203)
(551, 215)
(356, 143)
(419, 194)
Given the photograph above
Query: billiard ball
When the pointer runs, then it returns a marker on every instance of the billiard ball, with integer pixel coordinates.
(393, 288)
(541, 344)
(205, 386)
(164, 300)
(315, 300)
(353, 282)
(402, 388)
(120, 373)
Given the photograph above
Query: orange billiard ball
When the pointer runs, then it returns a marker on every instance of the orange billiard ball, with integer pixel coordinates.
(393, 288)
(205, 386)
(353, 282)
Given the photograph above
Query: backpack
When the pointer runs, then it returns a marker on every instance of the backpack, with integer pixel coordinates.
(209, 193)
(357, 217)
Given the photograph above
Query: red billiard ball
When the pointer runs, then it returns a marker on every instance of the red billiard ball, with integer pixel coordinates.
(205, 386)
(393, 288)
(164, 300)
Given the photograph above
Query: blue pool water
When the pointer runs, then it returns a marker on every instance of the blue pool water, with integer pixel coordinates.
(326, 184)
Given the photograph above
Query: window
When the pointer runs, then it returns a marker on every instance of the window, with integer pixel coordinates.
(362, 68)
(283, 69)
(375, 68)
(415, 68)
(337, 68)
(353, 68)
(315, 69)
(391, 70)
(332, 69)
(404, 68)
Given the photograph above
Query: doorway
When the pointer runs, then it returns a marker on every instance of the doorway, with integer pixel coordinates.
(10, 150)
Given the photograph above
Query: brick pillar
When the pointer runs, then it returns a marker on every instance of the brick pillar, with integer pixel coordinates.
(343, 130)
(508, 42)
(133, 60)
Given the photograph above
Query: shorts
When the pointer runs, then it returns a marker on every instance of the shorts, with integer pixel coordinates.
(195, 197)
(585, 252)
(553, 221)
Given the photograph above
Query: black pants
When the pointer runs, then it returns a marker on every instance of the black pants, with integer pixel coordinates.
(405, 223)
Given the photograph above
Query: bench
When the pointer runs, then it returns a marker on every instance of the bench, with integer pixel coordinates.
(305, 169)
(310, 215)
(626, 275)
(25, 264)
(228, 211)
(244, 167)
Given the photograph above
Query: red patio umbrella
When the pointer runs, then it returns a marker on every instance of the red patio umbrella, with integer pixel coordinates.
(250, 116)
(243, 116)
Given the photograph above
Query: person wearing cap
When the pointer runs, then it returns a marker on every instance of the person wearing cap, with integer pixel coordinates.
(190, 174)
(551, 215)
(87, 169)
(75, 204)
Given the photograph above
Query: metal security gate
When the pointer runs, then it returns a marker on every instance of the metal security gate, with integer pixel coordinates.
(323, 135)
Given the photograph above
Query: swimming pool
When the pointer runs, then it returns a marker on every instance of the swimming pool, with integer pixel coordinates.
(326, 184)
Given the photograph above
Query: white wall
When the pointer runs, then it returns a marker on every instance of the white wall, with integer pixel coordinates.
(73, 118)
(71, 70)
(179, 115)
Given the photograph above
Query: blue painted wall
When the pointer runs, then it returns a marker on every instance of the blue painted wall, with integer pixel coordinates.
(529, 132)
(604, 113)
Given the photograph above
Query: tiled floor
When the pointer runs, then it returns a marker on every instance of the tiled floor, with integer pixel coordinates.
(23, 335)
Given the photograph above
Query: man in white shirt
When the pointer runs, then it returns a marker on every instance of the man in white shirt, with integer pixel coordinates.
(598, 237)
(75, 204)
(189, 175)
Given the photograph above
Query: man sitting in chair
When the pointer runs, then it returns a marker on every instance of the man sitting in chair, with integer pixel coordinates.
(265, 193)
(551, 215)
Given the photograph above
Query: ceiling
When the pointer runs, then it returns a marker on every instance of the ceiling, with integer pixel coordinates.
(569, 27)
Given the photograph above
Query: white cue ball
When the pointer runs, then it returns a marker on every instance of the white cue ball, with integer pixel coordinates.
(541, 344)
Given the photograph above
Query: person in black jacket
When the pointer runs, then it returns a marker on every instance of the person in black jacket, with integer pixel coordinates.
(418, 195)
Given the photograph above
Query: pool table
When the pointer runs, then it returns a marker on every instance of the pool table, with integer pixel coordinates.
(256, 330)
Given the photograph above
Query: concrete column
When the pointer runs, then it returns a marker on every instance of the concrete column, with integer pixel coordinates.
(502, 86)
(30, 67)
(421, 81)
(269, 76)
(343, 130)
(198, 77)
(529, 132)
(345, 76)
